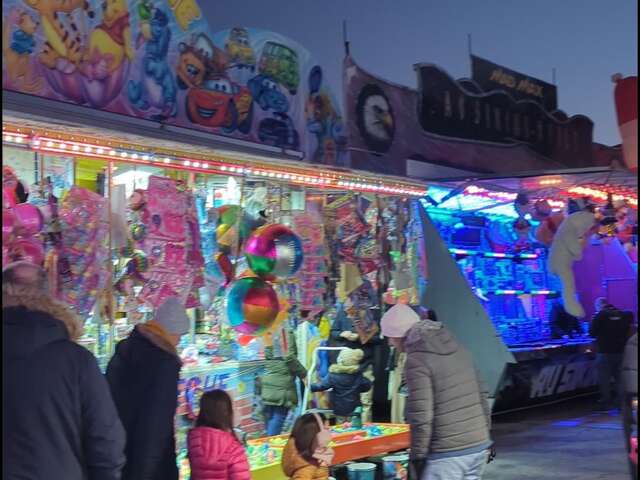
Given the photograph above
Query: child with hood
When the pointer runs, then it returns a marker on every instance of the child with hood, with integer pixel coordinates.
(346, 382)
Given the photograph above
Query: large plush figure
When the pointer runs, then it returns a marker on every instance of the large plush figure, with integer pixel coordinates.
(566, 248)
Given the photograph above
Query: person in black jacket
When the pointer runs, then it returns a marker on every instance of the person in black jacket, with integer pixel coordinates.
(143, 375)
(346, 382)
(611, 328)
(58, 418)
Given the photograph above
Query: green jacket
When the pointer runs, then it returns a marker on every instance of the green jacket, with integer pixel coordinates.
(278, 385)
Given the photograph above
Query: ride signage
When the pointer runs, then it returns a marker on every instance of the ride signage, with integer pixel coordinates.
(490, 76)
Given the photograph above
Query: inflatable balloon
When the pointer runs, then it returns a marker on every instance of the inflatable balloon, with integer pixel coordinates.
(252, 306)
(274, 251)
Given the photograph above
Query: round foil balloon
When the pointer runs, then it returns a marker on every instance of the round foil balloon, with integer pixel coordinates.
(252, 306)
(274, 251)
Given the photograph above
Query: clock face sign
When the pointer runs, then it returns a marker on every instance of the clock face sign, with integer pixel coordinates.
(375, 120)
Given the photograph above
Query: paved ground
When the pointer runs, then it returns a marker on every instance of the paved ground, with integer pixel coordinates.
(566, 441)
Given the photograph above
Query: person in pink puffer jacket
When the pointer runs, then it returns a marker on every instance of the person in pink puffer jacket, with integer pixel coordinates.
(215, 453)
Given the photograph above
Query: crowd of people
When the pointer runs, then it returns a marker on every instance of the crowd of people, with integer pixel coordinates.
(62, 418)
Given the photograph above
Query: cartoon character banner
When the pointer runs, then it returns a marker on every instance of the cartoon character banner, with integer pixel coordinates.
(159, 60)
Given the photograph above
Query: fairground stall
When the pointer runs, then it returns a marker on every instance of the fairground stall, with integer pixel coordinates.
(162, 159)
(505, 167)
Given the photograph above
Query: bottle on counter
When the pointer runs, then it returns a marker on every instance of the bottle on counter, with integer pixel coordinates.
(356, 418)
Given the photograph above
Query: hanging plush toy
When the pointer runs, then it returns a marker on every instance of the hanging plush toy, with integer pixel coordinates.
(566, 248)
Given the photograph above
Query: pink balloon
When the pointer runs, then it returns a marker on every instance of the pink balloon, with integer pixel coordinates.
(29, 218)
(28, 250)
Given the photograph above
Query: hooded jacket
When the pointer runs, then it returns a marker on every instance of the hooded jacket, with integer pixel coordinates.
(346, 382)
(278, 385)
(297, 468)
(58, 418)
(143, 375)
(447, 405)
(216, 455)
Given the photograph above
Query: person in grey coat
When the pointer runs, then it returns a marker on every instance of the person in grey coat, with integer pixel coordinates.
(630, 389)
(447, 406)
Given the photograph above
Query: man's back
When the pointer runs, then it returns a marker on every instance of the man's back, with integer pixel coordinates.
(143, 377)
(447, 405)
(58, 417)
(611, 328)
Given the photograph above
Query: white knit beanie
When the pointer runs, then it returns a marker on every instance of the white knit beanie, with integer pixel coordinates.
(350, 357)
(397, 321)
(172, 316)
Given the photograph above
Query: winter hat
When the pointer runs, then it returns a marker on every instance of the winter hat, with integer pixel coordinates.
(172, 316)
(350, 357)
(397, 321)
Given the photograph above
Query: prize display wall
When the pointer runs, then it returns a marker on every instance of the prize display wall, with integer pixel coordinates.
(246, 254)
(502, 244)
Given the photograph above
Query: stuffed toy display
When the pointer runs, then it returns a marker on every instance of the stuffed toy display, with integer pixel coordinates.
(566, 248)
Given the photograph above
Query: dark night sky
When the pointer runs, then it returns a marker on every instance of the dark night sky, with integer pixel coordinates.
(585, 40)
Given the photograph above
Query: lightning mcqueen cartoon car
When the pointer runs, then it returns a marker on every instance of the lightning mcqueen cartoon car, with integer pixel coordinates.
(220, 103)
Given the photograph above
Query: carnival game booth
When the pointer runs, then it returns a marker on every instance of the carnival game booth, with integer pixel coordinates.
(494, 148)
(193, 225)
(160, 158)
(501, 236)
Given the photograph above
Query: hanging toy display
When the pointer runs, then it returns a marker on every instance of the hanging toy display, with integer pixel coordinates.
(82, 221)
(132, 274)
(274, 251)
(252, 306)
(227, 229)
(21, 223)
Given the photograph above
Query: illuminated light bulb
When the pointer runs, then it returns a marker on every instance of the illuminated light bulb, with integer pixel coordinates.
(134, 156)
(100, 151)
(49, 144)
(223, 168)
(205, 165)
(279, 175)
(8, 138)
(18, 140)
(75, 148)
(88, 149)
(112, 152)
(166, 160)
(196, 164)
(145, 157)
(271, 174)
(36, 143)
(186, 163)
(124, 154)
(62, 146)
